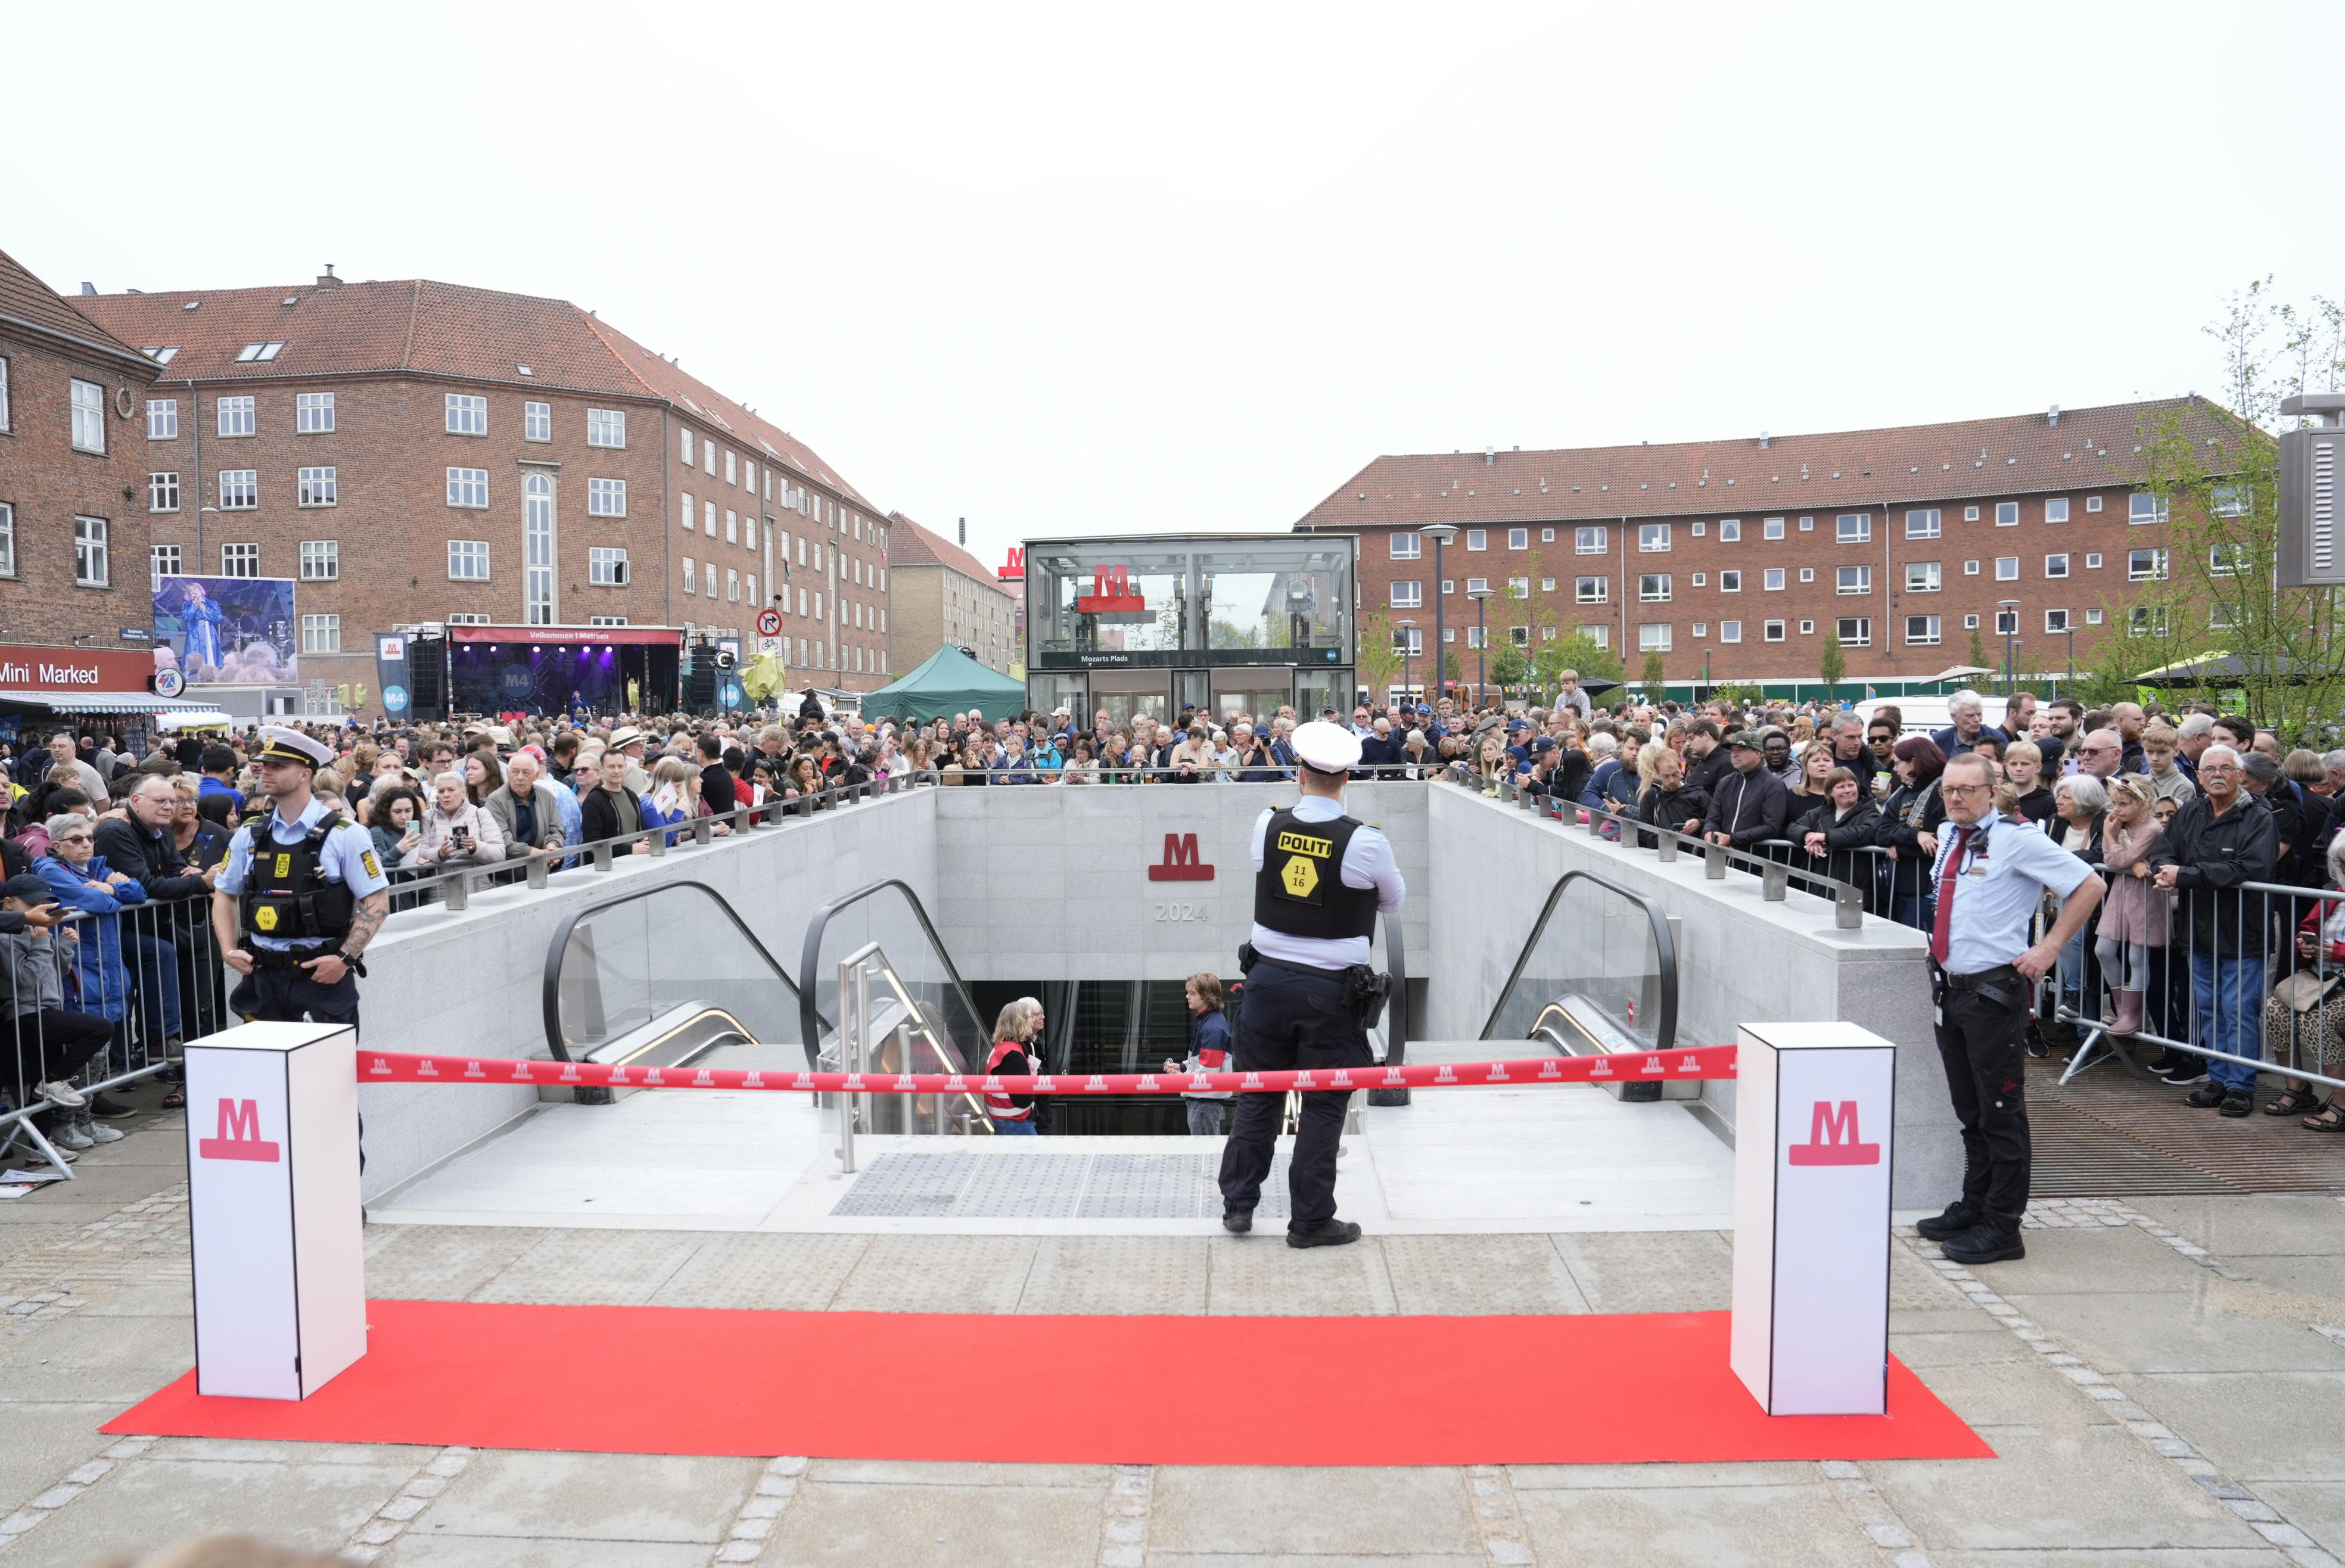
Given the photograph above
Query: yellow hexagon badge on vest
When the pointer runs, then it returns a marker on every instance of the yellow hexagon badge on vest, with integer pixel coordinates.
(1301, 876)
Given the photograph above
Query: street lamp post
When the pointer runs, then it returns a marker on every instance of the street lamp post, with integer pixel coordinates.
(1481, 598)
(2072, 659)
(2010, 645)
(1441, 533)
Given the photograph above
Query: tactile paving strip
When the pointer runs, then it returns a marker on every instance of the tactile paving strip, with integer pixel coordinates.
(1144, 1187)
(1023, 1185)
(922, 1186)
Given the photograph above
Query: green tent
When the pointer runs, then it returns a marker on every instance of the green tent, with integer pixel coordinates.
(951, 682)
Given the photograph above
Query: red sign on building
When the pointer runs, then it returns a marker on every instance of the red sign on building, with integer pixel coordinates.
(1013, 569)
(1180, 862)
(1110, 594)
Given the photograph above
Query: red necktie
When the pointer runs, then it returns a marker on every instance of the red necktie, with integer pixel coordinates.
(1940, 926)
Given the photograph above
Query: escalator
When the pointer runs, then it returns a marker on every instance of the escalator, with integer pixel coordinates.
(1598, 976)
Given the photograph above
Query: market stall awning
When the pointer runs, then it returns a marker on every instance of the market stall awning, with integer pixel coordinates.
(105, 703)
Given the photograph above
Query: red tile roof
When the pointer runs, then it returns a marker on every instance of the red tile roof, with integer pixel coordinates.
(910, 544)
(24, 298)
(2014, 455)
(419, 327)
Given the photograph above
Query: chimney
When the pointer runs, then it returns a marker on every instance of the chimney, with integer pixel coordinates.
(88, 287)
(964, 533)
(327, 278)
(2055, 414)
(1489, 454)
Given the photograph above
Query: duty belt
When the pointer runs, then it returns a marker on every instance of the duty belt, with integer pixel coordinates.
(1995, 979)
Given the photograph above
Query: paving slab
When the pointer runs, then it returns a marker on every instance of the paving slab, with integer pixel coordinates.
(2150, 1557)
(938, 1274)
(1937, 1348)
(144, 1504)
(1119, 1274)
(1637, 1477)
(1271, 1510)
(1697, 1527)
(80, 1358)
(600, 1268)
(442, 1262)
(1464, 1276)
(2298, 1226)
(2106, 1258)
(955, 1472)
(1157, 1559)
(2315, 1507)
(2314, 1274)
(43, 1442)
(414, 1551)
(2165, 1331)
(176, 1299)
(1650, 1272)
(592, 1497)
(1261, 1276)
(2096, 1486)
(2002, 1394)
(2257, 1426)
(959, 1526)
(792, 1273)
(247, 1451)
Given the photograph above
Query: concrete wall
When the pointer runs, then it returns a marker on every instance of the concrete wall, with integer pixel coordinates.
(470, 982)
(1052, 883)
(1741, 959)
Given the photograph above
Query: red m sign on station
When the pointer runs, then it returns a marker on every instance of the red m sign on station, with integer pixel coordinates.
(1110, 593)
(1833, 1139)
(1180, 861)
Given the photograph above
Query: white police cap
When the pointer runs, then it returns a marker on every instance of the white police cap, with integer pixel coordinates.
(1326, 748)
(286, 745)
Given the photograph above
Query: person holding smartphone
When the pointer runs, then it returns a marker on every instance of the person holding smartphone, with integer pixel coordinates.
(455, 831)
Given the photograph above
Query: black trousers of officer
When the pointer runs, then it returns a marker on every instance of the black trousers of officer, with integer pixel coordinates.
(1981, 1041)
(270, 995)
(1290, 1016)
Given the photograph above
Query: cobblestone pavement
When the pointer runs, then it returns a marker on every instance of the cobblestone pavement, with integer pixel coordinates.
(2160, 1377)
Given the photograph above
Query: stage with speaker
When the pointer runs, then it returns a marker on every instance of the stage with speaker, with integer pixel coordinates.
(554, 669)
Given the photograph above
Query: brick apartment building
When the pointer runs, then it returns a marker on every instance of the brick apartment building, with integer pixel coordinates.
(943, 595)
(73, 474)
(1731, 559)
(416, 451)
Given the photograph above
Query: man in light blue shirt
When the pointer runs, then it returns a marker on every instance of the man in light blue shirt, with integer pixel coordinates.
(1991, 877)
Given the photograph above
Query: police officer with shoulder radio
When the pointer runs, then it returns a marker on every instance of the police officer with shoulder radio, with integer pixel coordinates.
(300, 896)
(1320, 879)
(1991, 875)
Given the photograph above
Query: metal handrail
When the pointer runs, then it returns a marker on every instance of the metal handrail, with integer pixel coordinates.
(1396, 1011)
(809, 1020)
(1665, 1028)
(1367, 772)
(558, 948)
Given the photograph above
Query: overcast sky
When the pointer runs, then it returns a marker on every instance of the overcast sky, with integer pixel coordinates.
(1115, 268)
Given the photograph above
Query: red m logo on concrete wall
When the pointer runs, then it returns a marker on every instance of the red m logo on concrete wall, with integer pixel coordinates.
(1833, 1139)
(1180, 861)
(240, 1135)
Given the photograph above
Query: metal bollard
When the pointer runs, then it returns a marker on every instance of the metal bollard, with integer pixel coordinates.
(703, 830)
(456, 893)
(601, 857)
(1775, 883)
(1713, 863)
(1668, 844)
(539, 866)
(1848, 910)
(656, 843)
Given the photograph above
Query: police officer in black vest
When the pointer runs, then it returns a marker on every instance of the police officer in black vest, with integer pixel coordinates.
(1310, 998)
(300, 895)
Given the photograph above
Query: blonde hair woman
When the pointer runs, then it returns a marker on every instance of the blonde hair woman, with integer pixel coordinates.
(1014, 1054)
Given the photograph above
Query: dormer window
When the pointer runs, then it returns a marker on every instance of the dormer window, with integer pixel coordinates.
(257, 353)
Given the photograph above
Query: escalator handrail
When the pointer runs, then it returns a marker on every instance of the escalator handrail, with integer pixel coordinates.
(1666, 1025)
(809, 1020)
(1396, 1004)
(559, 947)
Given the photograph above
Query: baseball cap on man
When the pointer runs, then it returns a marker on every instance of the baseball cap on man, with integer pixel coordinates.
(28, 886)
(1744, 739)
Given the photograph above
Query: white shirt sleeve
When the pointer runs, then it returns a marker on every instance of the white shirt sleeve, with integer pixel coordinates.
(2039, 856)
(1261, 835)
(1368, 863)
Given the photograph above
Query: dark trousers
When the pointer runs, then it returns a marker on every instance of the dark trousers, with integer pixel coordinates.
(52, 1046)
(1981, 1041)
(290, 997)
(1291, 1017)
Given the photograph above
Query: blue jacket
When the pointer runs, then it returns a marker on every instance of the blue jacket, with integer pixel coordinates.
(98, 959)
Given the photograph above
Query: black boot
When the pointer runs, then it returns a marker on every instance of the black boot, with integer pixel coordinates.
(1986, 1243)
(1959, 1217)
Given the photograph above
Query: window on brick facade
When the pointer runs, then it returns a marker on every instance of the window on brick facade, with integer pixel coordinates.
(4, 394)
(708, 519)
(708, 459)
(733, 588)
(162, 419)
(1772, 528)
(2006, 623)
(687, 512)
(2056, 620)
(2006, 514)
(1652, 537)
(322, 633)
(162, 492)
(1406, 546)
(315, 487)
(90, 561)
(468, 487)
(690, 576)
(1921, 631)
(749, 592)
(1924, 576)
(2007, 568)
(240, 559)
(607, 621)
(1852, 580)
(1518, 538)
(2056, 566)
(1654, 639)
(1730, 531)
(466, 618)
(1653, 588)
(729, 475)
(313, 413)
(234, 416)
(239, 489)
(686, 437)
(708, 578)
(468, 560)
(537, 551)
(1922, 522)
(2055, 509)
(606, 427)
(537, 421)
(88, 417)
(321, 559)
(1852, 527)
(2143, 508)
(606, 498)
(1588, 542)
(1772, 580)
(7, 539)
(1408, 595)
(1771, 630)
(467, 414)
(162, 561)
(1855, 630)
(1592, 589)
(606, 566)
(2146, 566)
(732, 526)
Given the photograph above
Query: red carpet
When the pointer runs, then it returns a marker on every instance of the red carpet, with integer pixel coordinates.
(1138, 1390)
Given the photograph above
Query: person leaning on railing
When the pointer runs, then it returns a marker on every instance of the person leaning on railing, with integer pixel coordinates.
(2307, 1006)
(2214, 844)
(1910, 819)
(1670, 801)
(1844, 822)
(51, 1042)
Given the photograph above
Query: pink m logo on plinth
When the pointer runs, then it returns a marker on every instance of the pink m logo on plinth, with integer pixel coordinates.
(1833, 1139)
(1180, 862)
(240, 1135)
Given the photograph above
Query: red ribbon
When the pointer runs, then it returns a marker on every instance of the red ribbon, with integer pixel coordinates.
(1631, 1066)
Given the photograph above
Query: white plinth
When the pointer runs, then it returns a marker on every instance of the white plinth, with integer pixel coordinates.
(273, 1208)
(1812, 1162)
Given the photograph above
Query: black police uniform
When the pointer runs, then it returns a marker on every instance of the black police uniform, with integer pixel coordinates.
(1294, 1015)
(288, 896)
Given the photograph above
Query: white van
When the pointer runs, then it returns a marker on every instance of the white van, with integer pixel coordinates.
(1927, 715)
